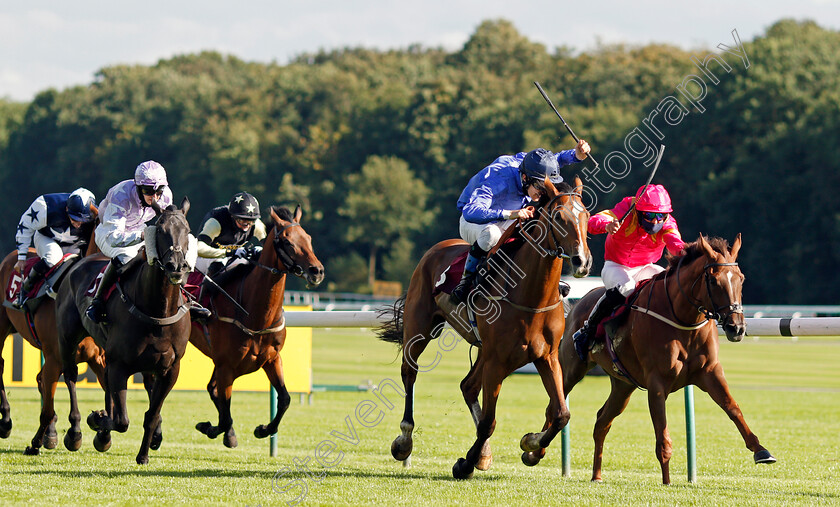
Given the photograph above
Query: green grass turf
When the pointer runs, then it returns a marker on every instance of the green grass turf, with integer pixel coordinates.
(789, 393)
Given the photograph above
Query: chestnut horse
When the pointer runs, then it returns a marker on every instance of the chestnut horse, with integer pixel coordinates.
(517, 321)
(148, 328)
(669, 341)
(240, 344)
(44, 338)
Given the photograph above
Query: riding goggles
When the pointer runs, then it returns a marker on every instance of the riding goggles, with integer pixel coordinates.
(652, 216)
(149, 190)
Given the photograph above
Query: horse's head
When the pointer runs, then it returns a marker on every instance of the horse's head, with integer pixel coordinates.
(568, 220)
(724, 282)
(168, 243)
(293, 246)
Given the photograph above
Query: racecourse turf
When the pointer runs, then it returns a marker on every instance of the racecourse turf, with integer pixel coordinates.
(788, 390)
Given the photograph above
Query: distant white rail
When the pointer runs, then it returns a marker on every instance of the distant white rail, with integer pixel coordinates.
(808, 326)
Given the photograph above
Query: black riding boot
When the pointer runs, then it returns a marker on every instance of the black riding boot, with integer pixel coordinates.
(96, 311)
(461, 291)
(584, 336)
(39, 270)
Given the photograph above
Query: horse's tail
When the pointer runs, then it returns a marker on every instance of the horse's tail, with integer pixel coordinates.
(392, 330)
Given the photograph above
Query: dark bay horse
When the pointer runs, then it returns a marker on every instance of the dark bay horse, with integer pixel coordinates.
(147, 332)
(519, 315)
(669, 341)
(45, 338)
(240, 344)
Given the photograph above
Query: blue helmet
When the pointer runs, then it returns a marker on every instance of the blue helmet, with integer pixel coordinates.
(79, 209)
(539, 164)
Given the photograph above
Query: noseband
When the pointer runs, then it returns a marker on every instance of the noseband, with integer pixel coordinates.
(715, 313)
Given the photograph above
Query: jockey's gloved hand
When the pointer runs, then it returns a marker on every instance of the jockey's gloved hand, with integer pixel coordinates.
(241, 253)
(256, 251)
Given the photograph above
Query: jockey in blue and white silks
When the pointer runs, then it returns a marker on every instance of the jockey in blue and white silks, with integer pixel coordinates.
(501, 192)
(54, 225)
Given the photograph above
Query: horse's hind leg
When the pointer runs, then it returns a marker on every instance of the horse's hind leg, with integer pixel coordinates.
(415, 340)
(616, 403)
(556, 415)
(715, 384)
(470, 388)
(274, 371)
(5, 411)
(162, 385)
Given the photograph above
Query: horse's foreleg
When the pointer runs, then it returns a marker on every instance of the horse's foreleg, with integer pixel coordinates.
(73, 437)
(557, 414)
(206, 427)
(470, 388)
(43, 436)
(617, 401)
(274, 371)
(162, 385)
(157, 435)
(657, 395)
(491, 383)
(715, 384)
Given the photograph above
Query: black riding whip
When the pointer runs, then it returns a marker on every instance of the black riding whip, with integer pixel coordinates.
(212, 282)
(545, 96)
(650, 178)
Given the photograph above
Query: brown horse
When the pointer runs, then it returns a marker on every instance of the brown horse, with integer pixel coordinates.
(519, 319)
(240, 344)
(669, 341)
(44, 338)
(148, 328)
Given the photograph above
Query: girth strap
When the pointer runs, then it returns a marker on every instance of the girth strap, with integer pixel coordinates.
(278, 325)
(158, 321)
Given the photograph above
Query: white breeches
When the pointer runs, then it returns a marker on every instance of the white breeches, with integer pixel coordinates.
(47, 248)
(625, 278)
(486, 235)
(121, 253)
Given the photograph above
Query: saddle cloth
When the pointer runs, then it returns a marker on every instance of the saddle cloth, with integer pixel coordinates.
(449, 278)
(619, 315)
(15, 281)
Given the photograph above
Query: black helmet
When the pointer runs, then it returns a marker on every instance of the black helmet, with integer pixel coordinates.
(245, 206)
(539, 164)
(78, 209)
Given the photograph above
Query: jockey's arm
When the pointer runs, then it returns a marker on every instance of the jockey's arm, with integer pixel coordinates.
(209, 232)
(34, 219)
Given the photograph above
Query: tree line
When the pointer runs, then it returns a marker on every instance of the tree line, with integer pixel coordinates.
(377, 145)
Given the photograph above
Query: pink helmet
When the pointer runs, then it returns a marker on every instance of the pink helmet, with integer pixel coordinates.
(655, 199)
(151, 174)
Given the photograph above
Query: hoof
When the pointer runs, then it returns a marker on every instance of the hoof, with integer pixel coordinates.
(102, 441)
(31, 451)
(531, 458)
(230, 440)
(73, 440)
(50, 441)
(142, 459)
(208, 429)
(401, 448)
(530, 442)
(157, 439)
(484, 462)
(462, 470)
(763, 456)
(5, 428)
(262, 431)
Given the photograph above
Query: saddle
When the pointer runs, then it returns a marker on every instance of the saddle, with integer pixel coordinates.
(619, 316)
(449, 278)
(45, 287)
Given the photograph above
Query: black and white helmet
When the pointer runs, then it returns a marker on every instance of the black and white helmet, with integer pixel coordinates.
(245, 206)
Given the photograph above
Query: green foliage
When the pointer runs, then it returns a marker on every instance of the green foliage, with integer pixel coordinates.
(767, 147)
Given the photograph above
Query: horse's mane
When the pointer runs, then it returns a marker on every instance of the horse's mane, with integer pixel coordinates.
(694, 251)
(283, 213)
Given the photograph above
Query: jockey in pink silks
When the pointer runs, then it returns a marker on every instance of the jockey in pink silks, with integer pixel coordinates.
(632, 249)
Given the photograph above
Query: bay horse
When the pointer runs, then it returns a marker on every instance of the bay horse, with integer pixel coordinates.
(240, 344)
(668, 341)
(517, 321)
(147, 332)
(43, 335)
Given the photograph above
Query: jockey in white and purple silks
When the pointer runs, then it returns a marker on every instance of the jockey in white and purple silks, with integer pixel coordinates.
(123, 216)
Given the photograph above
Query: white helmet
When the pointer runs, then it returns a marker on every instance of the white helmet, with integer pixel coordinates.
(150, 174)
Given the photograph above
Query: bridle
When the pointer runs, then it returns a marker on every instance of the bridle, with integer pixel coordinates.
(716, 312)
(288, 262)
(558, 250)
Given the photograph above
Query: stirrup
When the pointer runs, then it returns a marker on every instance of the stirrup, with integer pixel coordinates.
(582, 340)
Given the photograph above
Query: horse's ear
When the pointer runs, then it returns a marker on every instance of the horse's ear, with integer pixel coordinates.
(736, 245)
(155, 206)
(185, 205)
(298, 213)
(578, 185)
(707, 248)
(274, 216)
